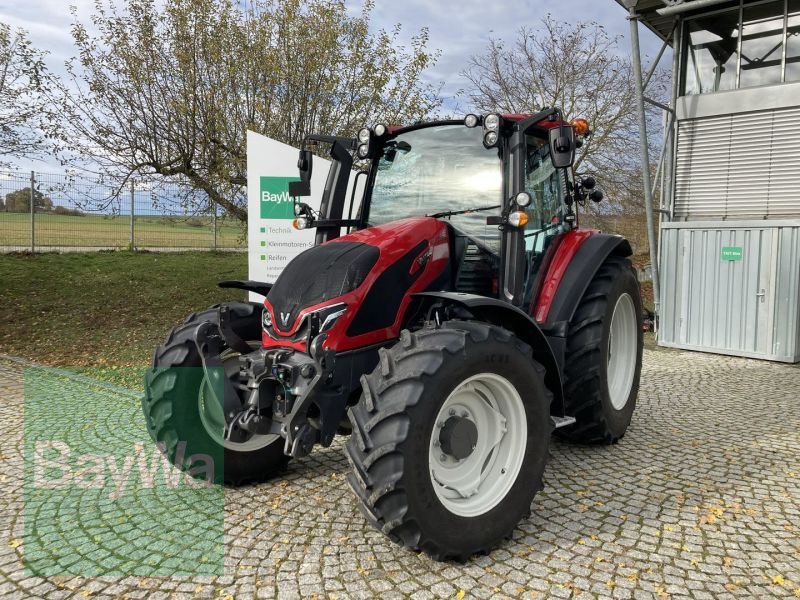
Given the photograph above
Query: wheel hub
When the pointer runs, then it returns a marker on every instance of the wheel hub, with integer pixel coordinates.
(458, 437)
(477, 444)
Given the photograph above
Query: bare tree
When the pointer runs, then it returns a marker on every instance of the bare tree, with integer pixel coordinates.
(580, 69)
(23, 109)
(172, 91)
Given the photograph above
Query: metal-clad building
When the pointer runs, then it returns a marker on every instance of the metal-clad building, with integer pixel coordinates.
(728, 274)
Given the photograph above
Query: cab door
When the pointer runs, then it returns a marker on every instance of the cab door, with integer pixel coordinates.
(547, 188)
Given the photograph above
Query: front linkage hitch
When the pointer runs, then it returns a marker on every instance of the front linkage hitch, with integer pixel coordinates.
(273, 391)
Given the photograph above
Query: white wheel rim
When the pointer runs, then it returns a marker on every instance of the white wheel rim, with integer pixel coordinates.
(477, 483)
(622, 347)
(211, 418)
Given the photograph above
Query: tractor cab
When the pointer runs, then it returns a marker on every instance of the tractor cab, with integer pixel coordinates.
(503, 184)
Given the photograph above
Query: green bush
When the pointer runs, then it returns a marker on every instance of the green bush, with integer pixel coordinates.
(69, 212)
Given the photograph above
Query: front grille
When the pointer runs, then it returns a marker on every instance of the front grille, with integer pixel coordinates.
(297, 336)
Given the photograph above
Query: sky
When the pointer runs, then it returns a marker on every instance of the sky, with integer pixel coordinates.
(458, 29)
(462, 29)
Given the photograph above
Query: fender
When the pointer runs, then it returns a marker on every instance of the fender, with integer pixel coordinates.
(259, 287)
(580, 261)
(492, 310)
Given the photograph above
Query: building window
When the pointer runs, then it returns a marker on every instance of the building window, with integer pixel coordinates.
(762, 44)
(751, 45)
(793, 42)
(712, 53)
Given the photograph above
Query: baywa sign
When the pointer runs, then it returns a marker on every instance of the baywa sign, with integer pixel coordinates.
(274, 198)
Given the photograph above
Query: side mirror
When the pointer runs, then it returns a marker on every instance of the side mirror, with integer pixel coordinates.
(301, 188)
(562, 146)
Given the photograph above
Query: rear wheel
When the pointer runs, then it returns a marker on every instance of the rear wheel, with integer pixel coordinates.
(450, 438)
(184, 416)
(604, 356)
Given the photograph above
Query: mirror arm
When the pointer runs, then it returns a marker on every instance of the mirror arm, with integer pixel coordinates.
(305, 164)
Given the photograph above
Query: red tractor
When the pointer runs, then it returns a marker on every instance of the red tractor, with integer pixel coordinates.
(448, 324)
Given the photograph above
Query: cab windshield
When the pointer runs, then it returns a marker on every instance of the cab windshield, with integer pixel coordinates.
(436, 169)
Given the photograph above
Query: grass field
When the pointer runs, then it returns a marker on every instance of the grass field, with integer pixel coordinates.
(106, 310)
(115, 232)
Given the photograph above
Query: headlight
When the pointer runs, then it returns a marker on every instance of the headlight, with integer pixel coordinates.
(380, 130)
(364, 135)
(490, 139)
(363, 151)
(492, 122)
(320, 322)
(300, 223)
(523, 199)
(471, 121)
(329, 316)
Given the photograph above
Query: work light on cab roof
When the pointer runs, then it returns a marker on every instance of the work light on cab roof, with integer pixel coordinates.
(491, 129)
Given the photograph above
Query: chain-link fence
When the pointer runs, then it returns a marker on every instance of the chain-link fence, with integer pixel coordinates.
(42, 211)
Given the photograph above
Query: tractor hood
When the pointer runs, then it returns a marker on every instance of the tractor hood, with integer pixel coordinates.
(368, 273)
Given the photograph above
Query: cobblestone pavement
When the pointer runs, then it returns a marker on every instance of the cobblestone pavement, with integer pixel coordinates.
(701, 499)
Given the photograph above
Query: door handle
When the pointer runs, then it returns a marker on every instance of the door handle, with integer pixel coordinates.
(762, 294)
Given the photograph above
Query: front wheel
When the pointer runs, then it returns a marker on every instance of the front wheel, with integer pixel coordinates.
(450, 438)
(603, 359)
(183, 412)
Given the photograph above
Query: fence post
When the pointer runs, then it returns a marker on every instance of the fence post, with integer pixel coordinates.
(133, 244)
(33, 213)
(214, 226)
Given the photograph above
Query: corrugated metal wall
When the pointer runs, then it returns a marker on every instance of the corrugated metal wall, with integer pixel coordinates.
(738, 166)
(748, 306)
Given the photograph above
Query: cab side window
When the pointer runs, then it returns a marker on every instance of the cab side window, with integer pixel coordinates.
(546, 186)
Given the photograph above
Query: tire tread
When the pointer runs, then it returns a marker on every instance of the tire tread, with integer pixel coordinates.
(582, 369)
(380, 427)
